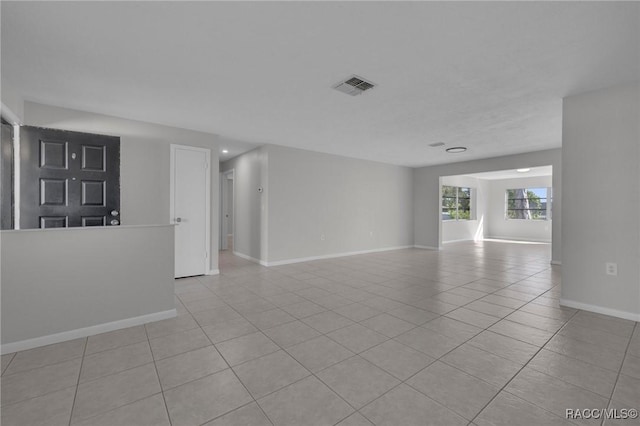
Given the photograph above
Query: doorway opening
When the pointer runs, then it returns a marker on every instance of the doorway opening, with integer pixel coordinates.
(504, 205)
(227, 210)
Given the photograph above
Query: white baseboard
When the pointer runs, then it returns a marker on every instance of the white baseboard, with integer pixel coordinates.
(556, 262)
(84, 332)
(533, 240)
(426, 247)
(213, 272)
(600, 310)
(458, 241)
(249, 258)
(332, 256)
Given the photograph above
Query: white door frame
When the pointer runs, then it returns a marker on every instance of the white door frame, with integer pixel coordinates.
(223, 203)
(173, 147)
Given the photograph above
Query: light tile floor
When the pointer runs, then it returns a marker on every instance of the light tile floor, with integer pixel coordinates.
(472, 334)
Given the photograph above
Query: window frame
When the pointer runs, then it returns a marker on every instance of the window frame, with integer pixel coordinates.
(547, 210)
(471, 192)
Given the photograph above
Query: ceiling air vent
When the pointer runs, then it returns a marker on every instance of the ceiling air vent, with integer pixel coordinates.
(436, 144)
(354, 85)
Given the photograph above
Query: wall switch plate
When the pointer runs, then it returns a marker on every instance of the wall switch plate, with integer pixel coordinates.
(612, 268)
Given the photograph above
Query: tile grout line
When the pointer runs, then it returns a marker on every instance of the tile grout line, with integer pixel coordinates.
(376, 295)
(155, 366)
(520, 370)
(75, 395)
(237, 378)
(453, 349)
(311, 373)
(438, 359)
(10, 361)
(626, 350)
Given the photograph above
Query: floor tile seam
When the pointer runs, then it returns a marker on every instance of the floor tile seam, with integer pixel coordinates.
(533, 326)
(155, 366)
(168, 334)
(543, 316)
(575, 358)
(31, 369)
(615, 385)
(583, 327)
(516, 375)
(447, 353)
(104, 376)
(438, 402)
(536, 406)
(237, 377)
(295, 319)
(181, 351)
(516, 338)
(340, 396)
(311, 373)
(146, 339)
(585, 341)
(484, 313)
(3, 406)
(75, 395)
(358, 353)
(101, 413)
(236, 409)
(13, 355)
(572, 384)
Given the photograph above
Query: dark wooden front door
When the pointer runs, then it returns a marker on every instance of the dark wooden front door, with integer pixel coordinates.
(68, 179)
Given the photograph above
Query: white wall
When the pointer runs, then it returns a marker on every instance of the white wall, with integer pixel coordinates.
(500, 227)
(601, 194)
(12, 101)
(474, 229)
(54, 288)
(356, 205)
(250, 224)
(426, 190)
(316, 205)
(144, 161)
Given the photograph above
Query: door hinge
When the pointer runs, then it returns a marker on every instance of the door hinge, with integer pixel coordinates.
(206, 165)
(206, 254)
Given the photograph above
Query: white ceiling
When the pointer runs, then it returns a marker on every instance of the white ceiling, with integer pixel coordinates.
(514, 174)
(486, 75)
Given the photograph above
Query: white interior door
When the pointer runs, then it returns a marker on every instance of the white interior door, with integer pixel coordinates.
(224, 223)
(226, 208)
(190, 209)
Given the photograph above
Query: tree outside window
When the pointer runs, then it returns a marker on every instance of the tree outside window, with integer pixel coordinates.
(527, 203)
(456, 203)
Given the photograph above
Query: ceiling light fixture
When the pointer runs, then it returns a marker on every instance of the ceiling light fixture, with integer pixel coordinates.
(456, 149)
(225, 151)
(523, 170)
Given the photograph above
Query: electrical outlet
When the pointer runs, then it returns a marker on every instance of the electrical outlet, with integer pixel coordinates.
(612, 268)
(321, 237)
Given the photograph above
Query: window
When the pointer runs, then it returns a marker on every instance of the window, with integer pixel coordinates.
(527, 203)
(456, 203)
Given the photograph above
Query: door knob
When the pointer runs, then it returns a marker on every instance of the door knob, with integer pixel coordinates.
(178, 219)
